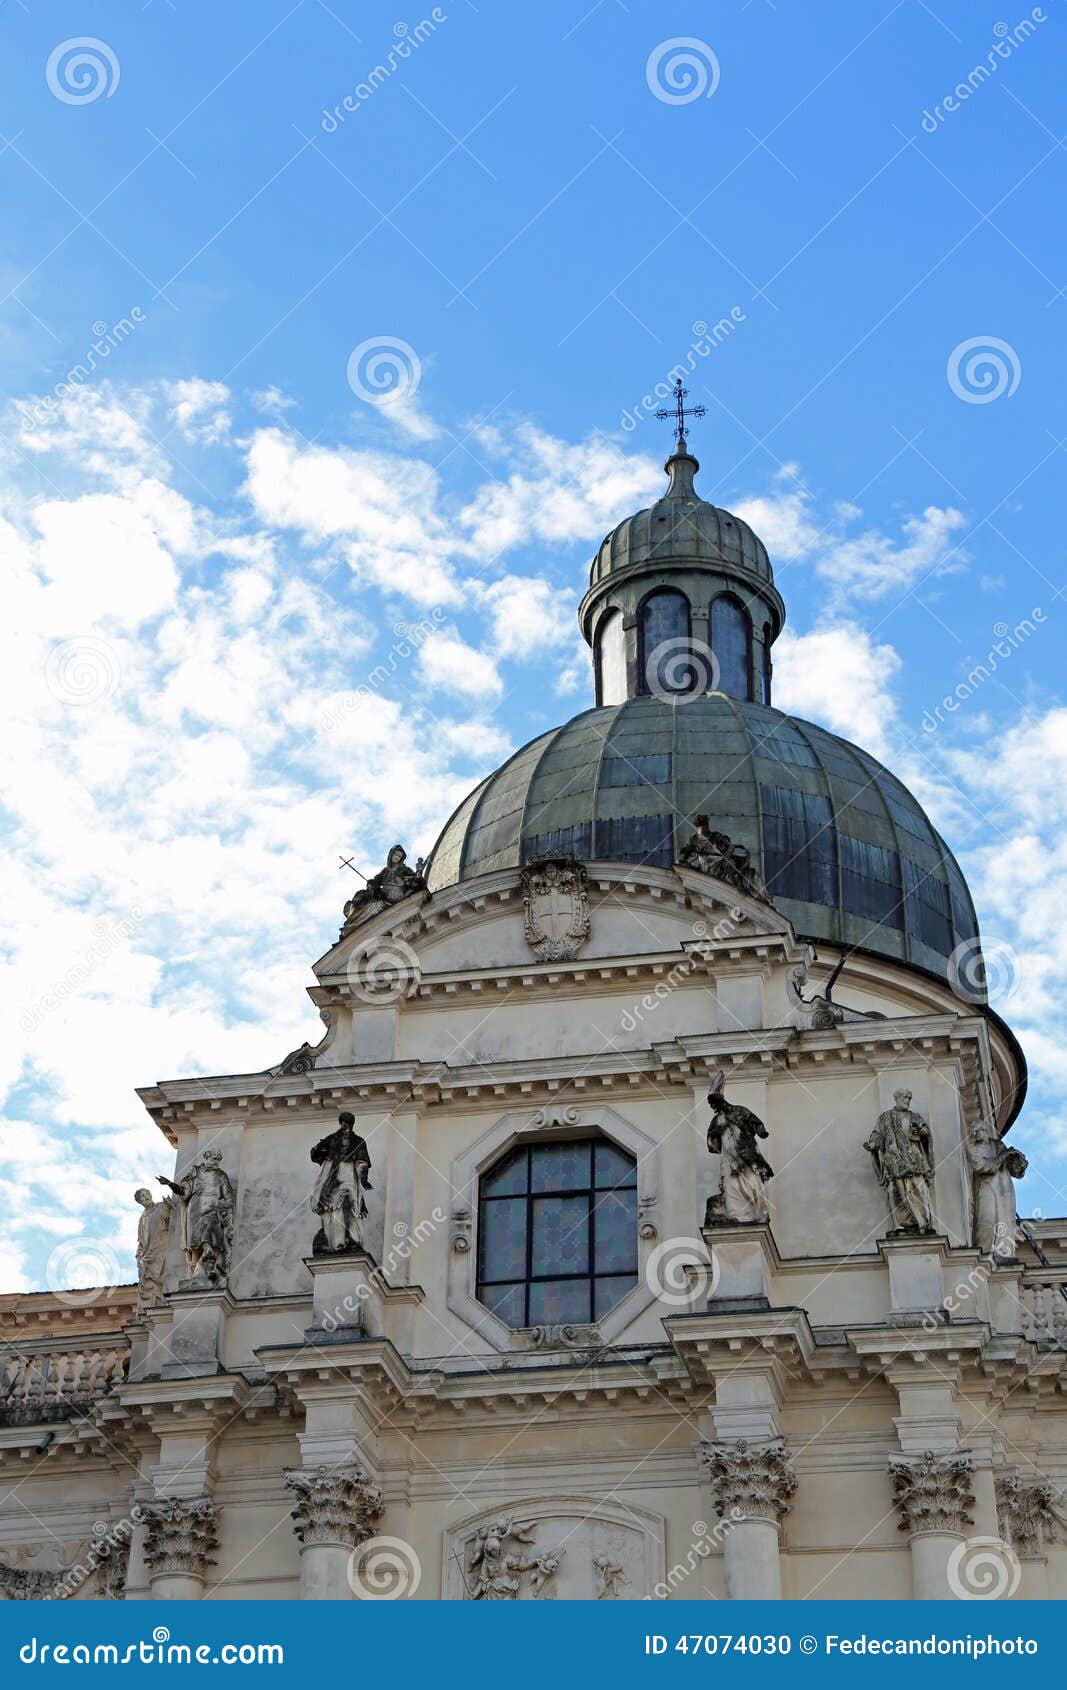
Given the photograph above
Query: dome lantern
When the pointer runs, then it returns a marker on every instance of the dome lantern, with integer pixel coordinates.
(681, 597)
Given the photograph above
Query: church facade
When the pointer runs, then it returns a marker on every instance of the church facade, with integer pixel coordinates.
(643, 1225)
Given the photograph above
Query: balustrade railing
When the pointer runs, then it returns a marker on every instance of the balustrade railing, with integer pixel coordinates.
(1045, 1309)
(40, 1385)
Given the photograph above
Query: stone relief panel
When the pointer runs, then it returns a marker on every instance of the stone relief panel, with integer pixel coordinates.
(568, 1549)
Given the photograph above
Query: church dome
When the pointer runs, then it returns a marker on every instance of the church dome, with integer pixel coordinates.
(847, 852)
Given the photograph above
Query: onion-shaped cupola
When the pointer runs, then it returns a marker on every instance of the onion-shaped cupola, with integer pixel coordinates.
(681, 598)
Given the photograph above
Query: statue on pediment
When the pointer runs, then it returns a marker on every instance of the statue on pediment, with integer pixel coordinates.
(903, 1152)
(391, 885)
(715, 854)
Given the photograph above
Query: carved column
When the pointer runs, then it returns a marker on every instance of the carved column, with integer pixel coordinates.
(934, 1497)
(751, 1486)
(336, 1510)
(180, 1535)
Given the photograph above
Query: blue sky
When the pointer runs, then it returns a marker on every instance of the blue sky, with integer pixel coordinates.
(214, 529)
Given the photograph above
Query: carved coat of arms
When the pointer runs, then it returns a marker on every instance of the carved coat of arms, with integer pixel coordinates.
(555, 902)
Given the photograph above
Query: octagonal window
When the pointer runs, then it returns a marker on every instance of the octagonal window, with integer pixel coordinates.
(557, 1232)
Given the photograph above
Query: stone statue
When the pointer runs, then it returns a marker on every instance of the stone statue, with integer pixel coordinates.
(825, 1013)
(903, 1154)
(716, 854)
(207, 1205)
(732, 1135)
(391, 885)
(995, 1167)
(609, 1576)
(153, 1230)
(339, 1195)
(497, 1569)
(543, 1569)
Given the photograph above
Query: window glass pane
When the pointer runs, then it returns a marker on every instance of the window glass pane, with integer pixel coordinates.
(615, 1230)
(508, 1177)
(559, 1167)
(503, 1238)
(765, 666)
(612, 643)
(729, 642)
(508, 1302)
(559, 1299)
(613, 1166)
(664, 632)
(608, 1292)
(560, 1235)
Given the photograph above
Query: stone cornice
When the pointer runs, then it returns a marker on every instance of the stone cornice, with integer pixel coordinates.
(685, 1060)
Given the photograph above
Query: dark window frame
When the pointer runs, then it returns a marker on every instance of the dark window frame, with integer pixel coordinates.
(643, 688)
(591, 1191)
(748, 696)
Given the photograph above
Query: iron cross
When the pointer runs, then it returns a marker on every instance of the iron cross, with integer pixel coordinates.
(680, 413)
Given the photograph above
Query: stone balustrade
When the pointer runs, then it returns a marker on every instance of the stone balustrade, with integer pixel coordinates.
(1045, 1308)
(43, 1383)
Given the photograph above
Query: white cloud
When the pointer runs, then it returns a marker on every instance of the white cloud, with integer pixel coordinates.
(199, 409)
(448, 662)
(839, 677)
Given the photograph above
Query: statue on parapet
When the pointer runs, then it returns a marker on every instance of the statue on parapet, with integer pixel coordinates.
(339, 1195)
(206, 1196)
(903, 1151)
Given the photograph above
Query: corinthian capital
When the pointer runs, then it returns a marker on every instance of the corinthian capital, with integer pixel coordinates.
(933, 1492)
(1026, 1513)
(750, 1481)
(180, 1535)
(334, 1505)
